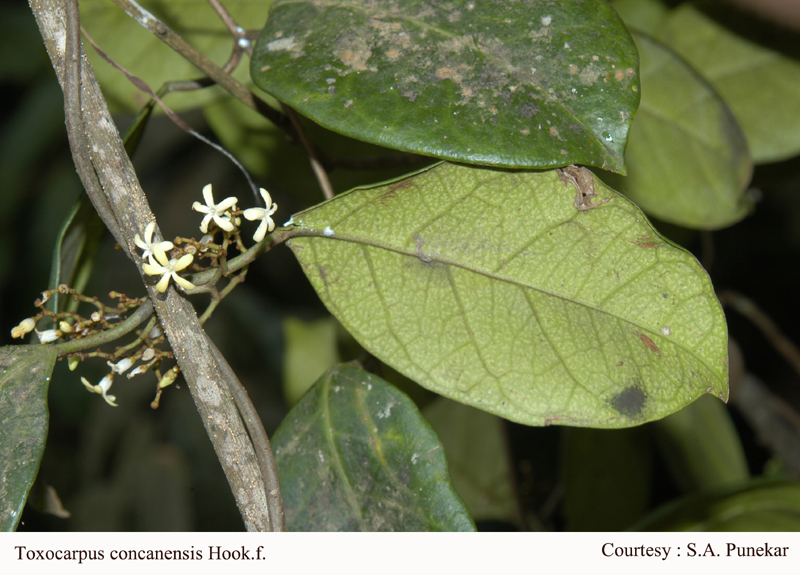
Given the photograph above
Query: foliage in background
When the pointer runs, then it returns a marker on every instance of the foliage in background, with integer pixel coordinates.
(500, 289)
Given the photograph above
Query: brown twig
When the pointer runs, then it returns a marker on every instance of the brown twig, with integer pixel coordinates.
(142, 86)
(263, 449)
(769, 328)
(209, 68)
(103, 151)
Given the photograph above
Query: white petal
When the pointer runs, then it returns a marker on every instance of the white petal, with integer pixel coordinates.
(266, 196)
(154, 269)
(148, 232)
(185, 261)
(183, 282)
(261, 231)
(198, 207)
(255, 213)
(226, 204)
(209, 197)
(162, 284)
(160, 254)
(224, 223)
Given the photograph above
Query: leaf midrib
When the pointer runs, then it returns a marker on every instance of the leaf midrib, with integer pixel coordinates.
(438, 258)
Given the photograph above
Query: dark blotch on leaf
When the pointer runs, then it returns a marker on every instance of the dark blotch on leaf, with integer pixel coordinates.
(630, 402)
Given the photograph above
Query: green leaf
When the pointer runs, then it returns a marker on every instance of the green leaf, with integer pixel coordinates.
(477, 457)
(761, 506)
(762, 86)
(642, 15)
(702, 447)
(356, 455)
(146, 56)
(687, 158)
(527, 84)
(607, 477)
(76, 247)
(491, 288)
(24, 378)
(309, 350)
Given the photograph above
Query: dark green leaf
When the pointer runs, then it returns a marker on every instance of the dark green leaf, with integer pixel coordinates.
(762, 506)
(702, 446)
(514, 84)
(687, 159)
(24, 379)
(491, 288)
(356, 455)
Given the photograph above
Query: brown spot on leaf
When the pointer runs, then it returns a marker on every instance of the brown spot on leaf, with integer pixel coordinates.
(619, 75)
(648, 342)
(645, 242)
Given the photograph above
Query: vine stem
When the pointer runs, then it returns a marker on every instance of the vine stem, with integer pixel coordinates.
(118, 197)
(106, 336)
(200, 61)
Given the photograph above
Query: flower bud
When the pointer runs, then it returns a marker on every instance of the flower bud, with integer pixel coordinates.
(25, 326)
(169, 377)
(65, 327)
(73, 361)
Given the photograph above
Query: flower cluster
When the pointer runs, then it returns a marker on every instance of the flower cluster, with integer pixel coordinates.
(223, 213)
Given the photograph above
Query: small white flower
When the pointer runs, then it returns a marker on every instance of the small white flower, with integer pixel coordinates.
(102, 388)
(217, 212)
(24, 327)
(168, 269)
(147, 243)
(156, 332)
(263, 214)
(48, 335)
(121, 366)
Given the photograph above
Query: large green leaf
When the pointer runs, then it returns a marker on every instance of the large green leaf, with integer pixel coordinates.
(491, 288)
(687, 158)
(24, 379)
(356, 455)
(702, 447)
(761, 506)
(145, 55)
(514, 84)
(762, 86)
(478, 457)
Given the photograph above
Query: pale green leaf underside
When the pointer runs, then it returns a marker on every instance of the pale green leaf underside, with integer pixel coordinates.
(761, 86)
(687, 158)
(24, 378)
(513, 84)
(489, 287)
(355, 454)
